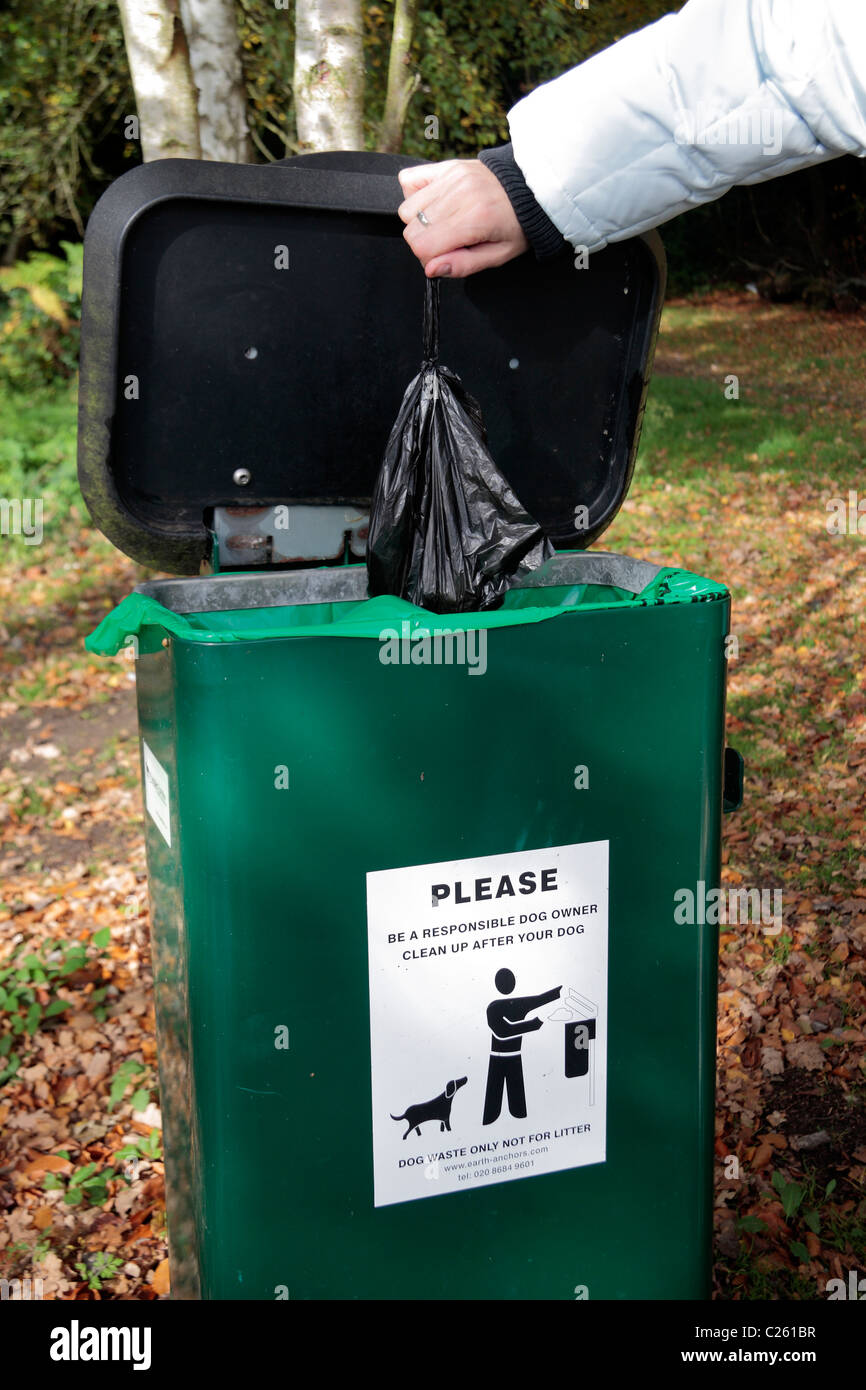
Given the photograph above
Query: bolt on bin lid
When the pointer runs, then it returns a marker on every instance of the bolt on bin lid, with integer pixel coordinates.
(248, 332)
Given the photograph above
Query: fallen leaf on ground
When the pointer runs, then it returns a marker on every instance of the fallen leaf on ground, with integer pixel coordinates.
(161, 1282)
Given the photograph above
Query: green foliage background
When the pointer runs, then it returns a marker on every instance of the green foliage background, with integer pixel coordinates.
(65, 97)
(65, 90)
(40, 311)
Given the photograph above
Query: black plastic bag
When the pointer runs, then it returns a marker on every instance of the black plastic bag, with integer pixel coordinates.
(446, 530)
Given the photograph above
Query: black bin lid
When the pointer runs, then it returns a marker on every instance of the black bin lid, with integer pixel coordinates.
(202, 354)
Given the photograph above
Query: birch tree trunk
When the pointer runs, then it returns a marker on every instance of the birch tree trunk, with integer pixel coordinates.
(329, 75)
(215, 59)
(402, 83)
(159, 66)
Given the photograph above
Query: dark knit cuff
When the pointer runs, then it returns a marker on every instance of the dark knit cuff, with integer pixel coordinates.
(544, 238)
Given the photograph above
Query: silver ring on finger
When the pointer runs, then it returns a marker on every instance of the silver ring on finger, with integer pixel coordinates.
(423, 219)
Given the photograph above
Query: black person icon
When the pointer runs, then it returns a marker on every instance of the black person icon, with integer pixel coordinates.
(505, 1070)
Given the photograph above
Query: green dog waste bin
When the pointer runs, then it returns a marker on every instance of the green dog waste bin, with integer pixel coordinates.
(427, 1024)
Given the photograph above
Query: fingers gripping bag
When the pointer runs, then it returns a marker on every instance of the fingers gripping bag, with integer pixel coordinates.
(446, 531)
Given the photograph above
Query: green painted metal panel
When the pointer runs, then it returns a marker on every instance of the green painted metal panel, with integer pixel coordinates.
(259, 922)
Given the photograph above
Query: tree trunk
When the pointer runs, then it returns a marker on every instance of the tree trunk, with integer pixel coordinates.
(214, 50)
(401, 83)
(161, 79)
(329, 75)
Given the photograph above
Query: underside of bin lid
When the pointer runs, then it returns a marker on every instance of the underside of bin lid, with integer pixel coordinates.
(248, 333)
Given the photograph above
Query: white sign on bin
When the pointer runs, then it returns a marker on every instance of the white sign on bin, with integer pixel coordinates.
(488, 1019)
(157, 799)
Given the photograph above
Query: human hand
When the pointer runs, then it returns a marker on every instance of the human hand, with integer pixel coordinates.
(470, 223)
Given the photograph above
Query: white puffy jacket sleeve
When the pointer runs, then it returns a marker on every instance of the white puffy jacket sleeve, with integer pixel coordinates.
(722, 93)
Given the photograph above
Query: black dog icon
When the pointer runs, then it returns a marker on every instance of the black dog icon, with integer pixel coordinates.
(437, 1109)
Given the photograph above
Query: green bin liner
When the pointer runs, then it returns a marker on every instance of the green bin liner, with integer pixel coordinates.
(367, 618)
